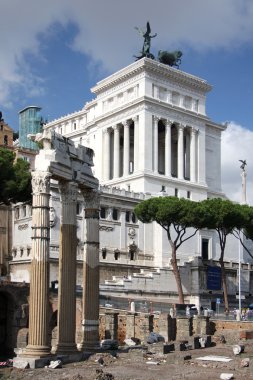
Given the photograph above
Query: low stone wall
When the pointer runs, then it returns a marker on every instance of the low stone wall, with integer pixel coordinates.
(122, 325)
(136, 325)
(233, 331)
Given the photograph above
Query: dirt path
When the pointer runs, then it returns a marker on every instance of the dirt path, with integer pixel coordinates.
(133, 365)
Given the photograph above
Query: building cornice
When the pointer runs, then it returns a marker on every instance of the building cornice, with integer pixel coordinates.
(152, 66)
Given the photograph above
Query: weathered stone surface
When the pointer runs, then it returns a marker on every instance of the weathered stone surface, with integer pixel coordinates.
(226, 376)
(168, 348)
(245, 362)
(109, 344)
(22, 364)
(238, 349)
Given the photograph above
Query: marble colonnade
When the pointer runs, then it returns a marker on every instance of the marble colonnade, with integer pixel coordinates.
(71, 166)
(125, 161)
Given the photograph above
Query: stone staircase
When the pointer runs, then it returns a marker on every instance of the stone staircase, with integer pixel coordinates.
(154, 280)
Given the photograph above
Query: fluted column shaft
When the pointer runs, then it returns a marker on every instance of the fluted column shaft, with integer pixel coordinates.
(67, 270)
(168, 148)
(180, 152)
(136, 142)
(106, 156)
(38, 345)
(156, 120)
(193, 155)
(90, 340)
(116, 152)
(126, 148)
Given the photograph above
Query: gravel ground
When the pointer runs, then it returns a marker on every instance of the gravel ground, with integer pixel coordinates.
(133, 365)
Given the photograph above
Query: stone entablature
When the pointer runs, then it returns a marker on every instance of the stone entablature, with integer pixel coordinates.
(169, 85)
(159, 69)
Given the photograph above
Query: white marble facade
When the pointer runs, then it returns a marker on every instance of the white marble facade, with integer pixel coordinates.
(151, 136)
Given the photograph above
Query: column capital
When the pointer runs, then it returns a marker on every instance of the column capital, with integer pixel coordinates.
(106, 131)
(116, 127)
(41, 182)
(91, 198)
(135, 118)
(168, 122)
(194, 130)
(68, 191)
(127, 123)
(180, 126)
(156, 118)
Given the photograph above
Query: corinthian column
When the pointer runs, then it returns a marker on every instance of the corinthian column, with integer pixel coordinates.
(126, 148)
(106, 155)
(156, 120)
(168, 124)
(180, 152)
(67, 270)
(136, 142)
(90, 339)
(193, 155)
(116, 152)
(38, 345)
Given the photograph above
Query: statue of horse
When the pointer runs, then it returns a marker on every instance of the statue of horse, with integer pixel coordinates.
(170, 58)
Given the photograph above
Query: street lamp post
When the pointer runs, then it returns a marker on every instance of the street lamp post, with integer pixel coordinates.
(243, 201)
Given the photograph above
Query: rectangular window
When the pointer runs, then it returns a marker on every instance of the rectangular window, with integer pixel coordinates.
(176, 192)
(188, 194)
(102, 213)
(205, 249)
(78, 208)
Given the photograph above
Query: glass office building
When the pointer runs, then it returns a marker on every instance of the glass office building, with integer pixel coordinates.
(30, 122)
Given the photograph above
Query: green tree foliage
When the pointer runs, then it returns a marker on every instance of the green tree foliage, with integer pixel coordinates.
(247, 229)
(15, 178)
(226, 218)
(180, 218)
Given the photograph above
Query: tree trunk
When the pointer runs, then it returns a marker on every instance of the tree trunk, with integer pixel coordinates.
(224, 281)
(177, 273)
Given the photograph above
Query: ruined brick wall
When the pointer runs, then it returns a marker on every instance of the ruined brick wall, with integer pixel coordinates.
(233, 331)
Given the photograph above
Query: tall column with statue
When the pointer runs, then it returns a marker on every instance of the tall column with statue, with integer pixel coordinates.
(38, 344)
(243, 175)
(90, 339)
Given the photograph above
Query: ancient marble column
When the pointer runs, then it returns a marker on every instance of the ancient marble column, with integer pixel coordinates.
(136, 143)
(156, 120)
(106, 155)
(116, 158)
(180, 152)
(90, 340)
(168, 124)
(66, 317)
(193, 155)
(38, 345)
(126, 148)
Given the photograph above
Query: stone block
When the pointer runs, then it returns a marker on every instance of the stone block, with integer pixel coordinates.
(246, 334)
(196, 343)
(168, 348)
(20, 363)
(181, 346)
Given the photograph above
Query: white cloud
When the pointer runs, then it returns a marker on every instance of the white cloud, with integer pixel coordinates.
(106, 30)
(236, 144)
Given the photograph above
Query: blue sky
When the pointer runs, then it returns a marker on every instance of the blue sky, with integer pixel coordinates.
(53, 51)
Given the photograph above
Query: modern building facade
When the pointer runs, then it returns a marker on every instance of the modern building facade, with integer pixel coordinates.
(30, 122)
